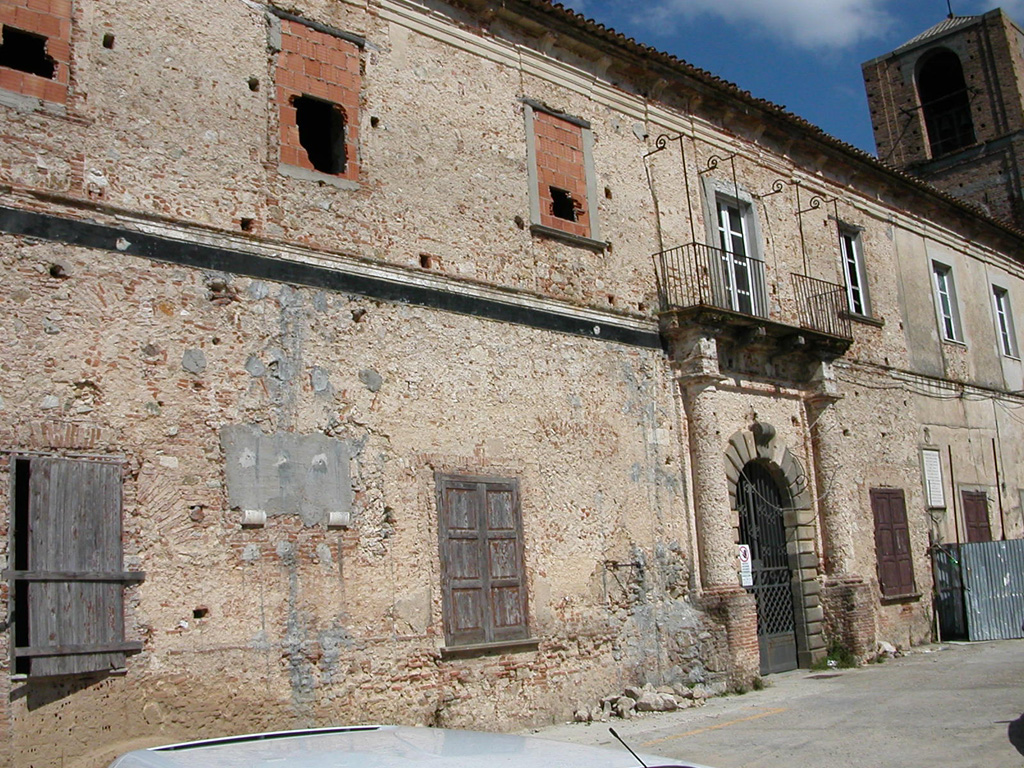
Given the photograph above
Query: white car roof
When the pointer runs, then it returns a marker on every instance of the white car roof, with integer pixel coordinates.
(383, 747)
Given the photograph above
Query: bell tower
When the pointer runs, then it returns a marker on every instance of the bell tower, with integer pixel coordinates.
(948, 107)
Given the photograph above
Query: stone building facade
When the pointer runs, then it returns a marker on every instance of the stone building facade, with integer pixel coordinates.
(948, 107)
(339, 385)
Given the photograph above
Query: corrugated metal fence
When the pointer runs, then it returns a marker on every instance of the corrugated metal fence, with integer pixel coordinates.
(981, 586)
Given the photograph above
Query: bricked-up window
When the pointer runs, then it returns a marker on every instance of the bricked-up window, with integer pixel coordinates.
(563, 197)
(945, 102)
(318, 83)
(481, 544)
(67, 577)
(892, 542)
(35, 49)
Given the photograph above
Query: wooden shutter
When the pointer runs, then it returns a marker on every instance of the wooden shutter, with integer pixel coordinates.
(483, 586)
(70, 577)
(892, 542)
(506, 587)
(976, 516)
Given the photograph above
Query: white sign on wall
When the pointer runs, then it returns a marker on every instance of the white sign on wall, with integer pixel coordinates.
(746, 568)
(933, 478)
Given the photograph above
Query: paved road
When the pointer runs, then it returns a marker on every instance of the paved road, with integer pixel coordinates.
(954, 705)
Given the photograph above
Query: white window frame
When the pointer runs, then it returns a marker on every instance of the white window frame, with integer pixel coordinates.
(736, 258)
(855, 273)
(1005, 333)
(946, 306)
(731, 261)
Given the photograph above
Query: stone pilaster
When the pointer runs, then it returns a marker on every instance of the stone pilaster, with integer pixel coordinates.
(699, 376)
(826, 432)
(695, 355)
(845, 597)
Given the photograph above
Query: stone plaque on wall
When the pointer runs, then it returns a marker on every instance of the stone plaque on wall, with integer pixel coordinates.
(287, 474)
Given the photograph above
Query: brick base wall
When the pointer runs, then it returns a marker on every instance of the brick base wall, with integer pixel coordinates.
(735, 610)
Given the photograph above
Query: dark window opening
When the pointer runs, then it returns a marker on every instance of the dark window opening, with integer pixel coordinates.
(945, 102)
(564, 205)
(321, 133)
(108, 41)
(21, 563)
(26, 52)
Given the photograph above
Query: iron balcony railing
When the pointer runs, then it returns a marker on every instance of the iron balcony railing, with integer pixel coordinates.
(698, 275)
(821, 306)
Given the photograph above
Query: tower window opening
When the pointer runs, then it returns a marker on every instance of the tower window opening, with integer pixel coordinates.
(945, 102)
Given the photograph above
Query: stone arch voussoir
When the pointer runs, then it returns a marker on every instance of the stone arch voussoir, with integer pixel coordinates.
(761, 443)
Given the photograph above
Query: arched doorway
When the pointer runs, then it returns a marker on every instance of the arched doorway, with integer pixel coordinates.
(759, 502)
(945, 102)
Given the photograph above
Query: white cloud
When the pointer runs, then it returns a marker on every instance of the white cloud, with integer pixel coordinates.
(805, 23)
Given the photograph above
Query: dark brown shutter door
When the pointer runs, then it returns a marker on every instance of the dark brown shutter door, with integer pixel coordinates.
(505, 562)
(74, 526)
(976, 516)
(483, 583)
(892, 542)
(462, 563)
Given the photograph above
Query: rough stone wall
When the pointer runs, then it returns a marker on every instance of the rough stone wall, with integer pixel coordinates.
(986, 176)
(180, 120)
(291, 624)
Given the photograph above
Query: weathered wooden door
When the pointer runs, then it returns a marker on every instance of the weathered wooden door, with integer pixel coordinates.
(892, 542)
(67, 578)
(762, 528)
(975, 505)
(484, 590)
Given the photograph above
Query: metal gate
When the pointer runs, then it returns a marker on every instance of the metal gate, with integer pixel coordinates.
(762, 528)
(981, 589)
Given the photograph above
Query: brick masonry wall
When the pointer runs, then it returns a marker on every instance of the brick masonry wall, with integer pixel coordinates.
(993, 67)
(326, 67)
(850, 616)
(52, 19)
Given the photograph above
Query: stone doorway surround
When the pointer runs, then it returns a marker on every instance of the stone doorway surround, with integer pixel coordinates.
(761, 443)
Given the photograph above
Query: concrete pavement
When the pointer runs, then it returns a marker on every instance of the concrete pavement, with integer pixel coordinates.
(950, 705)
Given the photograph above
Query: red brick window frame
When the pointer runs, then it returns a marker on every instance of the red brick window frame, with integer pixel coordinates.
(23, 23)
(563, 198)
(318, 84)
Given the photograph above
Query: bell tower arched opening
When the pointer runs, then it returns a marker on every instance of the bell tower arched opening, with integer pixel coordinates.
(945, 102)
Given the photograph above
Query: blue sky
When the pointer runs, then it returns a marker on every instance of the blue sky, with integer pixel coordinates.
(802, 54)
